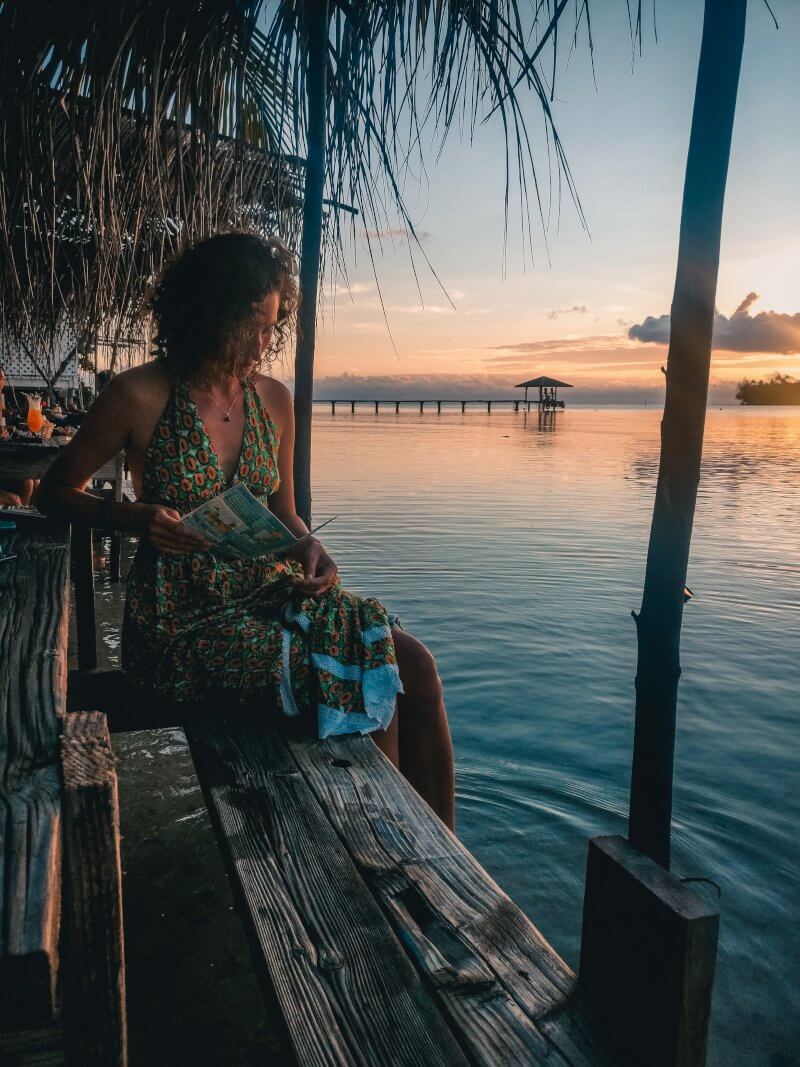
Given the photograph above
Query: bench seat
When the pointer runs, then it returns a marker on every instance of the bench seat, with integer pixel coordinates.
(384, 939)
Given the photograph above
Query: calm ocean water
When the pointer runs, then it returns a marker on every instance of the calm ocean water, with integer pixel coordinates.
(516, 554)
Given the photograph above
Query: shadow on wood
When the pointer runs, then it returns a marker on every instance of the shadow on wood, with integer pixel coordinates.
(648, 950)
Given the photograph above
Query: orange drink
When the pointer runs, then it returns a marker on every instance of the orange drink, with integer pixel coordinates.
(35, 416)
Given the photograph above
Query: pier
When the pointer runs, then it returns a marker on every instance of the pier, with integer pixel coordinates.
(420, 405)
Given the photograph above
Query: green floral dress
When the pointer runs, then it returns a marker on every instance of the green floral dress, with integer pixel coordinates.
(198, 625)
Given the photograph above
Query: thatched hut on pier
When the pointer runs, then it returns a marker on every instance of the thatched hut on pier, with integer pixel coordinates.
(548, 391)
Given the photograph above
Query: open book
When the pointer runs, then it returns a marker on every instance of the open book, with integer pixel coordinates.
(239, 526)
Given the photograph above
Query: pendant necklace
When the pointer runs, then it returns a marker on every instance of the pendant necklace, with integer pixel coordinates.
(226, 415)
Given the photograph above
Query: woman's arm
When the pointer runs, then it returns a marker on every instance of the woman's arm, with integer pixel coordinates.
(320, 569)
(103, 433)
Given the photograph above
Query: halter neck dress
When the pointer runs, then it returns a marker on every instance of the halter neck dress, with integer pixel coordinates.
(198, 625)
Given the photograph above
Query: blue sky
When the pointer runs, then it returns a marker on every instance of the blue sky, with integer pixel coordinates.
(568, 312)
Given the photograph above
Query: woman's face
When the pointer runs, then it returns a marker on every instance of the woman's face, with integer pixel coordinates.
(266, 318)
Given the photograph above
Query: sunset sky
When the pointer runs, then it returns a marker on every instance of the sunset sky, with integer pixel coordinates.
(570, 312)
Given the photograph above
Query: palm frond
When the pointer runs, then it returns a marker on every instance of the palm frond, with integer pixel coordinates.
(128, 128)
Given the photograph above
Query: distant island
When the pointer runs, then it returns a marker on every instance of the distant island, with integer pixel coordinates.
(777, 389)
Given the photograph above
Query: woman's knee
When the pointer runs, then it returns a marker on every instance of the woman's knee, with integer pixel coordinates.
(418, 668)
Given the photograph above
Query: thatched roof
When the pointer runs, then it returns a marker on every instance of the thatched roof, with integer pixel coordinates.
(543, 382)
(99, 258)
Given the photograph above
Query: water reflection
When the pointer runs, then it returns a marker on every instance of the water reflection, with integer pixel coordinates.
(516, 555)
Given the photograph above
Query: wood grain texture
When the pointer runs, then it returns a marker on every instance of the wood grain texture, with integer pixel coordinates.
(349, 992)
(41, 1046)
(502, 987)
(94, 956)
(33, 658)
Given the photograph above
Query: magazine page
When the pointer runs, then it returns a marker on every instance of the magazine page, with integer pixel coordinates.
(238, 525)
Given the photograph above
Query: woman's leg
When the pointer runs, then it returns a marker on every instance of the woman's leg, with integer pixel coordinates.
(418, 738)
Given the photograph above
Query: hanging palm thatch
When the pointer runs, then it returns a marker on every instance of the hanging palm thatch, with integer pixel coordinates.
(129, 127)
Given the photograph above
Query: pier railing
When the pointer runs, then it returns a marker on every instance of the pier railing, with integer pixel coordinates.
(526, 405)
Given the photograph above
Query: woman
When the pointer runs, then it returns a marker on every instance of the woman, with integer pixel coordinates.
(192, 421)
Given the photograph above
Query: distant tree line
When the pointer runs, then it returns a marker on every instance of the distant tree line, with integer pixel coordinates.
(776, 389)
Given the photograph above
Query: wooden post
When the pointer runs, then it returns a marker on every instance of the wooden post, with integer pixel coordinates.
(658, 624)
(94, 956)
(648, 950)
(649, 944)
(83, 581)
(115, 560)
(315, 42)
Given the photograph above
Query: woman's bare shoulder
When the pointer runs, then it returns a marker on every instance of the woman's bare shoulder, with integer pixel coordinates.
(277, 399)
(150, 380)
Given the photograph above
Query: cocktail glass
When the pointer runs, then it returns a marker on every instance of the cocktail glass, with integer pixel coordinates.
(35, 416)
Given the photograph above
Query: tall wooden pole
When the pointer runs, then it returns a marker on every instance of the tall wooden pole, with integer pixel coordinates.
(315, 41)
(659, 621)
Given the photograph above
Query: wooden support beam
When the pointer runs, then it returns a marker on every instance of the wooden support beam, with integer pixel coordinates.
(648, 950)
(125, 707)
(81, 553)
(33, 654)
(94, 957)
(115, 560)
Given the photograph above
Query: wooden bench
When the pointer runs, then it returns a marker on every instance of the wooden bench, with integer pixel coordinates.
(385, 940)
(60, 877)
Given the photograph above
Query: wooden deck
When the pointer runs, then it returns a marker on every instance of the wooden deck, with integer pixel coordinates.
(384, 939)
(387, 942)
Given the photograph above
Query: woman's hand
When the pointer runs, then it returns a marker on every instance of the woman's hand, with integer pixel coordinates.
(163, 528)
(320, 570)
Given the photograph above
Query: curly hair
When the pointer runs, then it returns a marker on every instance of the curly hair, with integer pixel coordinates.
(203, 303)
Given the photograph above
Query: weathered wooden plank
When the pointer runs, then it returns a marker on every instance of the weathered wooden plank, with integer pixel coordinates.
(94, 956)
(457, 912)
(33, 653)
(347, 989)
(42, 1046)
